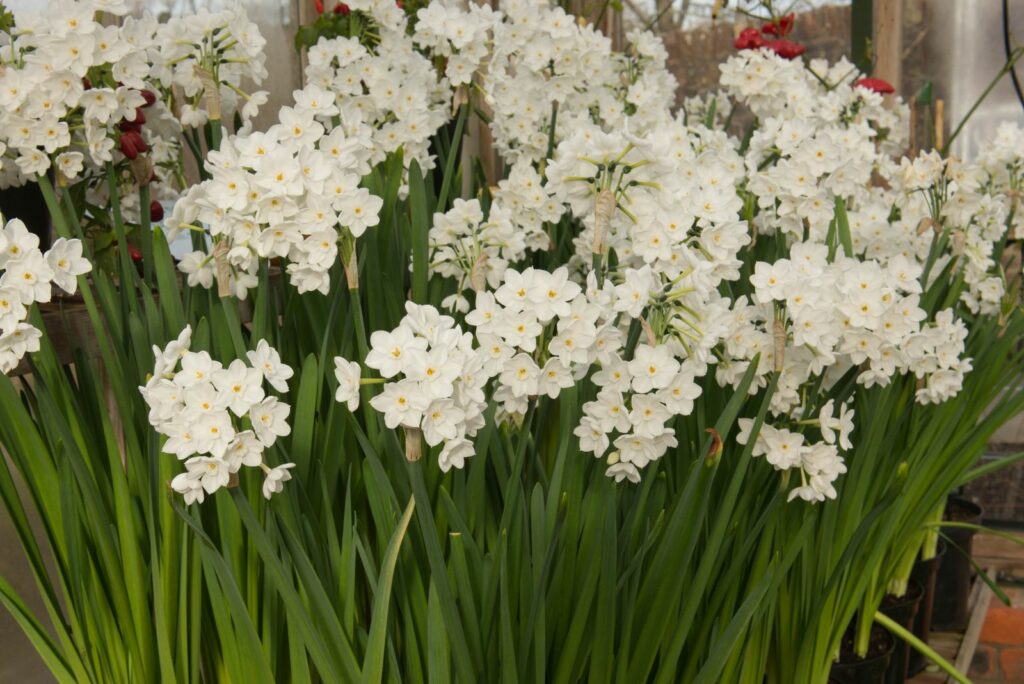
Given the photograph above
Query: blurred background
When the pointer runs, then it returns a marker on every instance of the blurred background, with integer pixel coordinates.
(956, 46)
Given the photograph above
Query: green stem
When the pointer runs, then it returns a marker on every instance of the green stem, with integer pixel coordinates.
(146, 233)
(920, 646)
(1002, 72)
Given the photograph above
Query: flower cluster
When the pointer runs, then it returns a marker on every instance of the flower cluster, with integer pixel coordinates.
(810, 315)
(70, 90)
(216, 418)
(392, 88)
(818, 463)
(475, 250)
(461, 36)
(282, 193)
(207, 56)
(27, 277)
(511, 325)
(436, 383)
(549, 75)
(646, 223)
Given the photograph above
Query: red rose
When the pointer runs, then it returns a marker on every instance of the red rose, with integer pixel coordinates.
(786, 49)
(748, 39)
(770, 29)
(342, 9)
(875, 85)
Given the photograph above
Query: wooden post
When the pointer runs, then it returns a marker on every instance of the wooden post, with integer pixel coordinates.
(303, 14)
(888, 40)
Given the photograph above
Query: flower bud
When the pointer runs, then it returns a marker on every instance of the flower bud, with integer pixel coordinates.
(715, 450)
(156, 211)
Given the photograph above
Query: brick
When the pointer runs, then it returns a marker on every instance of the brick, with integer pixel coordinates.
(1011, 660)
(1004, 626)
(984, 662)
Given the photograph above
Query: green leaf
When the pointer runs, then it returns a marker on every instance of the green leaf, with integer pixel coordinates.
(419, 230)
(373, 661)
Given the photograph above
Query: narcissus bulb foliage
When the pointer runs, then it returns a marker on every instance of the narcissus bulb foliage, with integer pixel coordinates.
(795, 257)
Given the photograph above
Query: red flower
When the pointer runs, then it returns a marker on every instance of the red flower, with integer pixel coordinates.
(875, 85)
(156, 211)
(786, 49)
(786, 24)
(318, 5)
(131, 144)
(133, 251)
(781, 27)
(749, 39)
(342, 9)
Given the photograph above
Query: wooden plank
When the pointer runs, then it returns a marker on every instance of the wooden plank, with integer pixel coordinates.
(982, 599)
(888, 39)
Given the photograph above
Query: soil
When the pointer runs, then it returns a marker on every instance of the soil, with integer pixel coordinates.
(914, 593)
(879, 644)
(961, 510)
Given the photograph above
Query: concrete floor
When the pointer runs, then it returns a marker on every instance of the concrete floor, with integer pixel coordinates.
(19, 663)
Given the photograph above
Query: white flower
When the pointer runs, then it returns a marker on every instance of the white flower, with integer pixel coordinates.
(66, 262)
(454, 454)
(240, 385)
(521, 375)
(623, 470)
(266, 359)
(652, 368)
(245, 450)
(30, 276)
(269, 420)
(401, 403)
(347, 373)
(441, 421)
(276, 477)
(390, 352)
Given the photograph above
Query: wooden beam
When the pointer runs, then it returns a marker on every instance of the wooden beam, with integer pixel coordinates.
(887, 41)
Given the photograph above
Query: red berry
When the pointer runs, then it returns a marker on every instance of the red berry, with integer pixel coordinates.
(149, 96)
(156, 211)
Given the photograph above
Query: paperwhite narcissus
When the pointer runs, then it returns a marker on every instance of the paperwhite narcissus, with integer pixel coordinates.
(216, 419)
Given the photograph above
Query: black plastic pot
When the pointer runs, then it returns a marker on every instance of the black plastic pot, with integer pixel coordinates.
(953, 582)
(902, 610)
(924, 573)
(869, 670)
